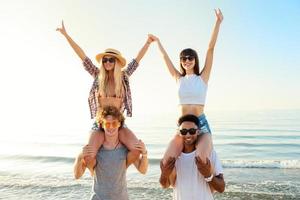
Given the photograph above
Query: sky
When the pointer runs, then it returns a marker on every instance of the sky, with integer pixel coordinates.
(43, 84)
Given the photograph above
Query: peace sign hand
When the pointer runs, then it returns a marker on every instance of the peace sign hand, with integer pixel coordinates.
(62, 30)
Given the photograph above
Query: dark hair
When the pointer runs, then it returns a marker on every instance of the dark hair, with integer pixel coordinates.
(112, 111)
(188, 118)
(190, 52)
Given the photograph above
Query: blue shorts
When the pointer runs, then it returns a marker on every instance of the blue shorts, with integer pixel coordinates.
(203, 124)
(97, 127)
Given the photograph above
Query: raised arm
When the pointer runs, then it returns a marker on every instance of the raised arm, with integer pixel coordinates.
(173, 71)
(73, 44)
(132, 66)
(80, 165)
(131, 158)
(87, 63)
(144, 49)
(217, 182)
(205, 73)
(141, 164)
(166, 180)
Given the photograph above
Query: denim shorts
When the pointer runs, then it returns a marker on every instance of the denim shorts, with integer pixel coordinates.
(96, 127)
(203, 124)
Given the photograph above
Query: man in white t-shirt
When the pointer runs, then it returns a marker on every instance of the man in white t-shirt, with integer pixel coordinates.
(191, 178)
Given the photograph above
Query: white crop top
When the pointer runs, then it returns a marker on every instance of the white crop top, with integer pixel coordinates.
(191, 90)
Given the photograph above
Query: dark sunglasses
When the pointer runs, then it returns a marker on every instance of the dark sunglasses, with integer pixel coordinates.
(184, 58)
(110, 60)
(184, 131)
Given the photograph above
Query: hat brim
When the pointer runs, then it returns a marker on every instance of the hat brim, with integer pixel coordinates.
(120, 58)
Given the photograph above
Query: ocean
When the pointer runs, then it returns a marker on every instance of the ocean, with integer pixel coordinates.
(260, 152)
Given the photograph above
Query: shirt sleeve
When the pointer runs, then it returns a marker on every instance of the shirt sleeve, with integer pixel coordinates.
(131, 67)
(216, 163)
(90, 67)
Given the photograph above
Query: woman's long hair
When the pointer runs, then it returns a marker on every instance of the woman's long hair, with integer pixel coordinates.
(103, 81)
(190, 52)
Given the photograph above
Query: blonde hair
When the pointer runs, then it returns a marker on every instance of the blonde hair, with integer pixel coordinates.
(103, 80)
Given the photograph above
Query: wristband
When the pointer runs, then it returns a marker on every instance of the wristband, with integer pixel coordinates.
(209, 179)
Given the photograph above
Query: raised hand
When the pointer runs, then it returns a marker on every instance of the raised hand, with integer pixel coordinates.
(204, 168)
(219, 15)
(75, 47)
(140, 146)
(167, 168)
(62, 29)
(153, 37)
(150, 39)
(89, 153)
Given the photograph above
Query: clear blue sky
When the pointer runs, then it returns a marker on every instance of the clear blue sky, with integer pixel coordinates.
(256, 64)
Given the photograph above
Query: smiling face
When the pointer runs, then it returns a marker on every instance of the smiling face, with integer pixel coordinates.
(187, 62)
(189, 132)
(111, 126)
(109, 62)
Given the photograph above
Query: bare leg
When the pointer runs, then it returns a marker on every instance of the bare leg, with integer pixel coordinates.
(96, 139)
(174, 149)
(128, 138)
(204, 147)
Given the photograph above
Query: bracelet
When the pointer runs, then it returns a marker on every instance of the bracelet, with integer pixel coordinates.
(209, 179)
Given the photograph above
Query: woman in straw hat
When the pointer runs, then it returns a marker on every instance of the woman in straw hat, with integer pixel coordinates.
(192, 89)
(110, 88)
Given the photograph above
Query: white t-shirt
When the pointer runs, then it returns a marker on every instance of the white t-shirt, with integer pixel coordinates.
(190, 183)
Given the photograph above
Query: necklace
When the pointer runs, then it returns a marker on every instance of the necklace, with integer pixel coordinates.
(113, 146)
(117, 144)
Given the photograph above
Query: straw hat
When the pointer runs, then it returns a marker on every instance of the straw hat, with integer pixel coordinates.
(112, 52)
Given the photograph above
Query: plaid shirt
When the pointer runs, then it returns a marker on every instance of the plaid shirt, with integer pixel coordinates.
(94, 71)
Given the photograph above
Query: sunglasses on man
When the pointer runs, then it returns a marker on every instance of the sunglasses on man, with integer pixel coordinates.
(191, 131)
(114, 124)
(110, 60)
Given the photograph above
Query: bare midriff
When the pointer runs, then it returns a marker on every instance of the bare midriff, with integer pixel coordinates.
(111, 101)
(191, 109)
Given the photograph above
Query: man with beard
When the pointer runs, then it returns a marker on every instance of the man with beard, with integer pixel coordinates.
(191, 178)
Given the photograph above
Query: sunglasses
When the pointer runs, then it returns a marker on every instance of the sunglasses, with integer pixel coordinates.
(114, 124)
(185, 58)
(184, 131)
(110, 60)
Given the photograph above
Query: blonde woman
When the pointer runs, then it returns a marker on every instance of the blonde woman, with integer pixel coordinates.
(192, 89)
(110, 88)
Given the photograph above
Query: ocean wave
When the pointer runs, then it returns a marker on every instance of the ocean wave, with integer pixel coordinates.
(279, 164)
(278, 144)
(40, 158)
(262, 130)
